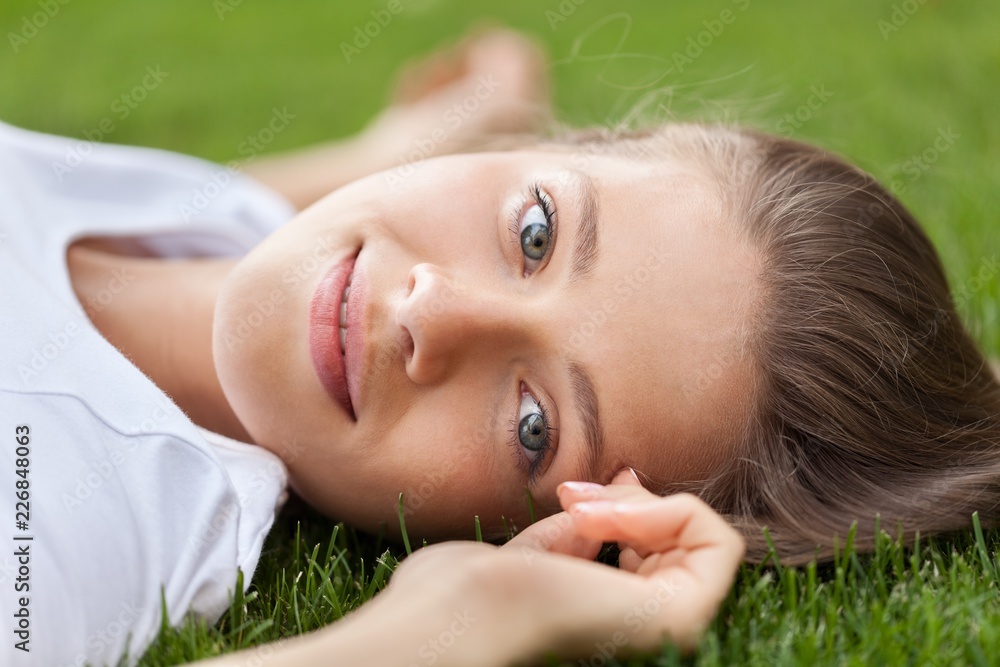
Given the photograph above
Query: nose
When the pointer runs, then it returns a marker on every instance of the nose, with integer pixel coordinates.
(450, 320)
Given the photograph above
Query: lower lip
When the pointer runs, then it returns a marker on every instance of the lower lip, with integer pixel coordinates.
(324, 333)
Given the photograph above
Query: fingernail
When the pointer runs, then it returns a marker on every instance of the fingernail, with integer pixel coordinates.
(622, 508)
(591, 508)
(585, 489)
(634, 476)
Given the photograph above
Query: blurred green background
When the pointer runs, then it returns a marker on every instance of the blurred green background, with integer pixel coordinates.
(884, 78)
(880, 81)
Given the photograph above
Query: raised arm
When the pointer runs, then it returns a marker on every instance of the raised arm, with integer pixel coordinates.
(492, 83)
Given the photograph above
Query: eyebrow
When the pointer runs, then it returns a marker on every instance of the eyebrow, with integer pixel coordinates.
(585, 398)
(587, 238)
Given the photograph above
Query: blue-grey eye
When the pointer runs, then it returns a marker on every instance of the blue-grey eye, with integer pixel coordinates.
(532, 431)
(536, 235)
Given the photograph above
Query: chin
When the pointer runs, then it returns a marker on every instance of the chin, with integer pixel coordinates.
(245, 329)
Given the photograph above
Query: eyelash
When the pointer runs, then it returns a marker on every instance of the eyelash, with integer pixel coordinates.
(542, 455)
(535, 196)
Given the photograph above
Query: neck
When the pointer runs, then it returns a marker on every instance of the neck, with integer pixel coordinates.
(160, 317)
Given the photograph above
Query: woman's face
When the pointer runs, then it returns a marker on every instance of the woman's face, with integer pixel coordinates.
(515, 320)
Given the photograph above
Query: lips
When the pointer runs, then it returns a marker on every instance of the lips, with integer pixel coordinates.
(358, 330)
(329, 322)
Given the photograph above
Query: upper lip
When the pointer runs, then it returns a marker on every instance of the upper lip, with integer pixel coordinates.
(324, 343)
(357, 336)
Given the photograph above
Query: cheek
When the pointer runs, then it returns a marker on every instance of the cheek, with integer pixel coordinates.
(444, 219)
(260, 348)
(450, 469)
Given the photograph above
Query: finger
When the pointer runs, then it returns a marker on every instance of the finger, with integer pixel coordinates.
(679, 521)
(682, 548)
(425, 559)
(574, 492)
(556, 534)
(417, 79)
(626, 477)
(628, 559)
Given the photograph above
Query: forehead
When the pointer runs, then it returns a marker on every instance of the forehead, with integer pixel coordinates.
(661, 322)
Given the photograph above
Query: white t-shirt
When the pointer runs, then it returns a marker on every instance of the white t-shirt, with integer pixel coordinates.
(126, 496)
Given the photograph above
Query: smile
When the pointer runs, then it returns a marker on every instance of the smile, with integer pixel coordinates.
(328, 325)
(343, 313)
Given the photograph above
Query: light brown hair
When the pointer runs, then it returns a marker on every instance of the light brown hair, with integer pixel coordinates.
(870, 397)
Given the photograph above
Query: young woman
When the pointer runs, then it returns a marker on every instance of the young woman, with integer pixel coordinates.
(739, 316)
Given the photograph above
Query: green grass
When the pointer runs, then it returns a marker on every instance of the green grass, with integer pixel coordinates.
(887, 100)
(933, 603)
(310, 575)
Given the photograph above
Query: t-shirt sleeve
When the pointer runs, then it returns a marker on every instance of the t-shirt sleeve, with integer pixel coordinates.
(110, 522)
(64, 178)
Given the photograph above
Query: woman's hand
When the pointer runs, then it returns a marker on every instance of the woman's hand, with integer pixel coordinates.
(678, 560)
(467, 604)
(542, 593)
(492, 83)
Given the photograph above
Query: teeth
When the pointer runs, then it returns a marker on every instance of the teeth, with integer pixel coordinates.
(343, 313)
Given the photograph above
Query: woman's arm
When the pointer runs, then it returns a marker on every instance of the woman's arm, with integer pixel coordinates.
(491, 83)
(452, 604)
(306, 175)
(466, 604)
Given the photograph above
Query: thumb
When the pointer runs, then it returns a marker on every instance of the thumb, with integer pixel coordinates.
(624, 486)
(626, 477)
(556, 534)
